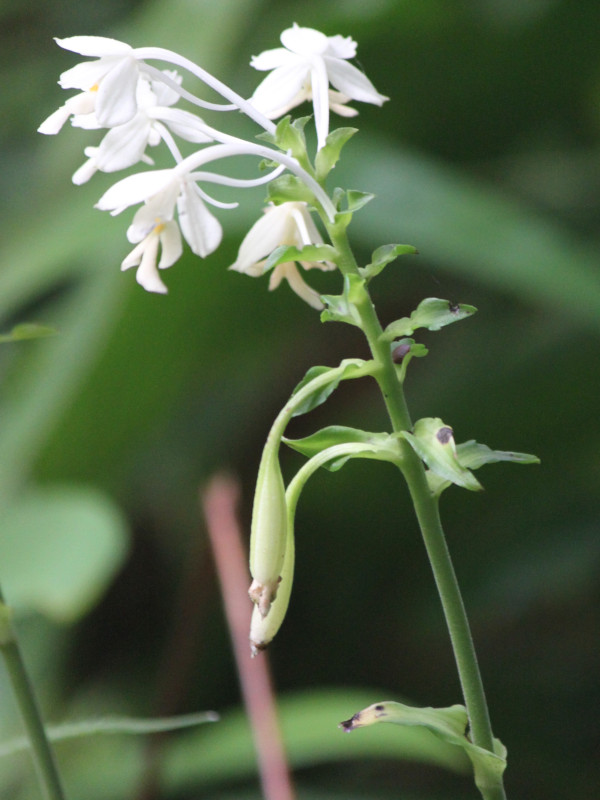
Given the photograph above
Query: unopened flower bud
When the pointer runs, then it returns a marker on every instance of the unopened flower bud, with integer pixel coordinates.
(268, 532)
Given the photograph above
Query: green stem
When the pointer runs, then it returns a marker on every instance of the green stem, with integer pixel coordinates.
(427, 512)
(30, 714)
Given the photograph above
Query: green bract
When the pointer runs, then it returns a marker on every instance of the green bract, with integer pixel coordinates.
(383, 256)
(327, 157)
(380, 446)
(320, 382)
(431, 313)
(312, 252)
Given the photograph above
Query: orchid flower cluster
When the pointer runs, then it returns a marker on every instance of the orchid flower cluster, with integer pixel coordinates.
(119, 90)
(122, 92)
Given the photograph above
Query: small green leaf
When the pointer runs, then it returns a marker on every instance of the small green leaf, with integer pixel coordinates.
(340, 307)
(449, 724)
(403, 351)
(347, 369)
(380, 446)
(433, 442)
(356, 200)
(332, 435)
(383, 256)
(473, 455)
(27, 330)
(288, 188)
(328, 156)
(431, 313)
(312, 252)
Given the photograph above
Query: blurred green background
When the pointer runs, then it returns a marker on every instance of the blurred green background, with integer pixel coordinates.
(487, 159)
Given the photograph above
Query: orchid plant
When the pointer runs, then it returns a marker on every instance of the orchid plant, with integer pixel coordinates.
(121, 92)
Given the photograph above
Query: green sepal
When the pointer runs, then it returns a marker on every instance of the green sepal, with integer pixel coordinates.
(473, 455)
(449, 724)
(27, 330)
(328, 156)
(289, 135)
(377, 444)
(431, 313)
(341, 307)
(433, 441)
(288, 188)
(403, 351)
(383, 256)
(312, 252)
(354, 201)
(347, 369)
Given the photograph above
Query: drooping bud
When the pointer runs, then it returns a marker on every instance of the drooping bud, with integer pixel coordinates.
(269, 531)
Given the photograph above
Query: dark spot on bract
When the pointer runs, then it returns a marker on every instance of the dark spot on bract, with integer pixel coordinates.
(444, 435)
(399, 353)
(454, 308)
(348, 724)
(379, 708)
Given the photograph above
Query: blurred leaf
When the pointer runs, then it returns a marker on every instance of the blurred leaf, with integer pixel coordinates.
(27, 330)
(59, 549)
(431, 313)
(384, 255)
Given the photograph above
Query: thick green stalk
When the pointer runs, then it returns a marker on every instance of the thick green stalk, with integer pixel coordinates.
(427, 512)
(30, 714)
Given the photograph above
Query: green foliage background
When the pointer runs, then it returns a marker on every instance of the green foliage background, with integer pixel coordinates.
(487, 159)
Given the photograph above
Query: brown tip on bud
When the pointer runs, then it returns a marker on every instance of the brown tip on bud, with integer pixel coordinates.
(257, 647)
(348, 725)
(262, 595)
(400, 352)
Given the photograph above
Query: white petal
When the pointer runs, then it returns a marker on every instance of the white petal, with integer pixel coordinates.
(84, 76)
(170, 242)
(85, 172)
(94, 45)
(271, 59)
(134, 258)
(290, 273)
(304, 41)
(165, 96)
(147, 273)
(341, 47)
(352, 82)
(55, 121)
(183, 123)
(116, 102)
(280, 87)
(264, 236)
(124, 145)
(320, 91)
(201, 229)
(135, 189)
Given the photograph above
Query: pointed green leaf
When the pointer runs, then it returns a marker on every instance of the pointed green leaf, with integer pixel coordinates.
(449, 724)
(473, 455)
(340, 307)
(328, 155)
(356, 200)
(333, 435)
(383, 256)
(431, 313)
(349, 368)
(433, 442)
(312, 252)
(27, 330)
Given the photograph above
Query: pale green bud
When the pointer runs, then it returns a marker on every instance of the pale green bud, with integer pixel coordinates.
(268, 532)
(264, 628)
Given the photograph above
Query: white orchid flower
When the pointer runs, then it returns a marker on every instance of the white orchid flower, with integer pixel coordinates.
(303, 69)
(290, 224)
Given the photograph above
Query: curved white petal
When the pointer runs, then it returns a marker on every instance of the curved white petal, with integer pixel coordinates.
(271, 59)
(352, 82)
(304, 41)
(147, 274)
(84, 76)
(94, 45)
(201, 229)
(320, 91)
(171, 244)
(280, 87)
(124, 145)
(55, 121)
(182, 123)
(341, 47)
(290, 272)
(136, 188)
(85, 171)
(116, 102)
(267, 233)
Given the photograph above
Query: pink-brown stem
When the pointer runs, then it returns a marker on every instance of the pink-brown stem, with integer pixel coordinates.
(219, 502)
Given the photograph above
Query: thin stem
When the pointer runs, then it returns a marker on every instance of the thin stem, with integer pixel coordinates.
(43, 756)
(427, 512)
